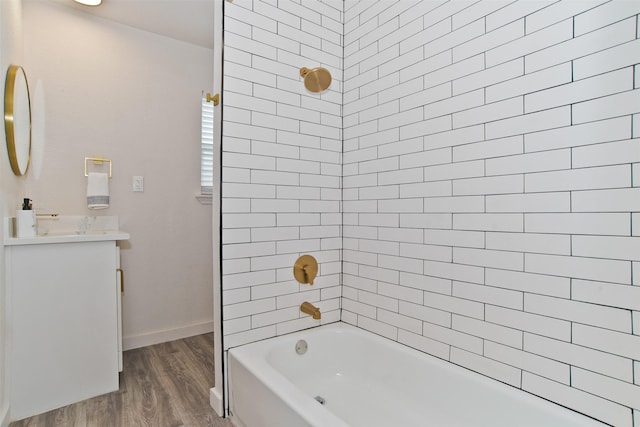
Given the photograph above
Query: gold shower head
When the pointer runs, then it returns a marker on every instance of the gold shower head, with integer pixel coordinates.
(316, 79)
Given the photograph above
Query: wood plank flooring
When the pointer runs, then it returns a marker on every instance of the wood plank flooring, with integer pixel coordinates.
(164, 385)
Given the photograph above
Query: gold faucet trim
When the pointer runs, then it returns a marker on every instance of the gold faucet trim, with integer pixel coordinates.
(305, 269)
(310, 309)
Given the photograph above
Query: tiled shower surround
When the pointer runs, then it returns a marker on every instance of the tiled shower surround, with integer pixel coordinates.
(469, 184)
(281, 166)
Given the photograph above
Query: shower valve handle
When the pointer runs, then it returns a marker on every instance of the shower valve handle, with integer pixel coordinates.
(305, 269)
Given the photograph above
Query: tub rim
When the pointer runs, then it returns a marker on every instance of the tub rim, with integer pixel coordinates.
(318, 416)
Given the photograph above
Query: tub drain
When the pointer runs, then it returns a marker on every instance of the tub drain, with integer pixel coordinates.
(320, 399)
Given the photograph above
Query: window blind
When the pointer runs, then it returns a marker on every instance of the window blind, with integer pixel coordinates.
(206, 149)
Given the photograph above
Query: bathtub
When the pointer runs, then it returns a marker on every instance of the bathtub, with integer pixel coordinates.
(350, 377)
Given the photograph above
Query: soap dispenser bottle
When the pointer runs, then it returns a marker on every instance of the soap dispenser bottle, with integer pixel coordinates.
(26, 220)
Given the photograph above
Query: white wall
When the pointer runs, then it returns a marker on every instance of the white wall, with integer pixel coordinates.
(490, 190)
(281, 166)
(108, 90)
(11, 52)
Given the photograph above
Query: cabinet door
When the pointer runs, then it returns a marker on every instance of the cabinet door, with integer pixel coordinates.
(63, 327)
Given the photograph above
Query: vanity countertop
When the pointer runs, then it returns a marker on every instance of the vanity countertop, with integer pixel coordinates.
(68, 237)
(70, 229)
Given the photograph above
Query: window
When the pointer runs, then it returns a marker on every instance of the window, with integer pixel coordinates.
(206, 148)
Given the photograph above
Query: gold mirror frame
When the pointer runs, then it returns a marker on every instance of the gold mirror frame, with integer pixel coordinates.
(17, 119)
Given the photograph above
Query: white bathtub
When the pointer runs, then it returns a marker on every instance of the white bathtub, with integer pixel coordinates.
(367, 380)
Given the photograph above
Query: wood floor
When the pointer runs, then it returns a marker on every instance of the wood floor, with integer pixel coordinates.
(164, 385)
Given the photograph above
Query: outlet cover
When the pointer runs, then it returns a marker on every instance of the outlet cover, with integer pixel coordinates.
(138, 183)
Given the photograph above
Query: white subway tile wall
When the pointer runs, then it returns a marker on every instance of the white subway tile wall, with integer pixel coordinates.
(470, 184)
(528, 117)
(281, 166)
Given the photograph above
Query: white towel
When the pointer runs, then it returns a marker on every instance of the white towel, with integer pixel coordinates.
(98, 190)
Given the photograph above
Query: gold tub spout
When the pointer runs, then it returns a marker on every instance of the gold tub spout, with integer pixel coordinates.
(310, 309)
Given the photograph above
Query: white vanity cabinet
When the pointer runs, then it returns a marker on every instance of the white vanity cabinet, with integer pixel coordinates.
(63, 320)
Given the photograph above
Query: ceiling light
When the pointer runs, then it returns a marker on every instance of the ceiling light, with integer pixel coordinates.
(89, 2)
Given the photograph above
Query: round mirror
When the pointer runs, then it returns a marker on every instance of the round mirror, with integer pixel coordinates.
(17, 119)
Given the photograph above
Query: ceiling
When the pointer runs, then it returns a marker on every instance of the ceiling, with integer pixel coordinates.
(186, 20)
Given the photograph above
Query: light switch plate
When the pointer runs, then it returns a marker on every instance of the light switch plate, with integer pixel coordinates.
(138, 183)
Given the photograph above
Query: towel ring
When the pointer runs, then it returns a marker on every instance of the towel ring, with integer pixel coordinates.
(97, 161)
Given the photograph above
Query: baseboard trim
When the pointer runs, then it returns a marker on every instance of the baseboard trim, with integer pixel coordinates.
(216, 402)
(156, 337)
